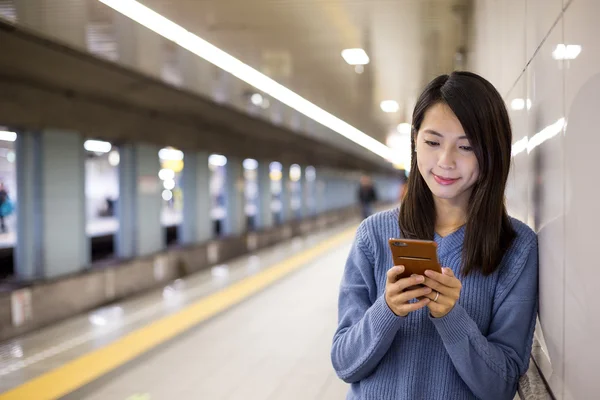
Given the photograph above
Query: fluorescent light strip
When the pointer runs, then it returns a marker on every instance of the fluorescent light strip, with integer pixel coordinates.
(171, 31)
(97, 146)
(8, 136)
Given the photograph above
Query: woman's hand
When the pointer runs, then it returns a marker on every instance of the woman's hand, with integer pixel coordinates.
(448, 287)
(396, 295)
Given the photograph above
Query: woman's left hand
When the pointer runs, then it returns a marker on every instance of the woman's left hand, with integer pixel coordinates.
(448, 287)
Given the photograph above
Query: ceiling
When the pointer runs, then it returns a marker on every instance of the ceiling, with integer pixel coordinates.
(299, 44)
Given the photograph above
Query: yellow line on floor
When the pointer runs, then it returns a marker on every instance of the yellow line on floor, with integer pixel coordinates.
(85, 369)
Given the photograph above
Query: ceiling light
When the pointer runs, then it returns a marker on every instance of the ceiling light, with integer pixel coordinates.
(519, 104)
(404, 128)
(250, 164)
(166, 174)
(310, 173)
(169, 184)
(170, 154)
(171, 31)
(97, 146)
(167, 195)
(8, 136)
(566, 52)
(355, 56)
(295, 173)
(256, 99)
(217, 160)
(114, 158)
(390, 106)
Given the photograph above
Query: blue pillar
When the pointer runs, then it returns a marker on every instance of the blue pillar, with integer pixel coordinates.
(286, 210)
(309, 192)
(301, 187)
(236, 217)
(196, 226)
(320, 192)
(51, 235)
(139, 206)
(265, 197)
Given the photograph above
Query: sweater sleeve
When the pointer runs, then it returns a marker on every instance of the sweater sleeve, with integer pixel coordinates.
(366, 329)
(491, 365)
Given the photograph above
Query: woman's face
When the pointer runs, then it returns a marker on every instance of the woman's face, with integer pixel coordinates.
(444, 156)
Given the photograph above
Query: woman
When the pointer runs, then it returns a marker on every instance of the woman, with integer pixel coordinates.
(465, 333)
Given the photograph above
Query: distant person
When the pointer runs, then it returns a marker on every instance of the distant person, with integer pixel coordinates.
(367, 196)
(5, 207)
(467, 332)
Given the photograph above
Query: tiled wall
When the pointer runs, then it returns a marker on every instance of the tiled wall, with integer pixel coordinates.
(553, 186)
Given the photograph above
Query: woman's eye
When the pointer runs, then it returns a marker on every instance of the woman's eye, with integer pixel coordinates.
(432, 144)
(466, 148)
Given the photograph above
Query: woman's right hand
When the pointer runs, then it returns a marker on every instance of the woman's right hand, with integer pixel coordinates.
(397, 296)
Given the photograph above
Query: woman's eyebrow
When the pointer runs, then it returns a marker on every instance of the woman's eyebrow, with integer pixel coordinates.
(432, 132)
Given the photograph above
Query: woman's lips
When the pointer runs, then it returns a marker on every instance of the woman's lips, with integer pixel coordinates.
(444, 181)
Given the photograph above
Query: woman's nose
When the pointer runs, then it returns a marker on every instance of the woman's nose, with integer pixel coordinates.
(446, 160)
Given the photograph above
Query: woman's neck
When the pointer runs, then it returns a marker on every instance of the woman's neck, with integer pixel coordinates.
(449, 216)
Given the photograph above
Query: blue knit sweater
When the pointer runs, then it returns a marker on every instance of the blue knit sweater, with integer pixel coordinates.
(478, 350)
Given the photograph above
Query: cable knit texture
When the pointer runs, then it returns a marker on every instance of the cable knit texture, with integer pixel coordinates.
(477, 351)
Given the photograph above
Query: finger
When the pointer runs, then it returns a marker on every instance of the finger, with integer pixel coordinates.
(405, 283)
(441, 299)
(449, 281)
(410, 307)
(436, 307)
(392, 274)
(438, 287)
(407, 296)
(448, 272)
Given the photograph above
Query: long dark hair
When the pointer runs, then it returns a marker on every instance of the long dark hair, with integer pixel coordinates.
(482, 113)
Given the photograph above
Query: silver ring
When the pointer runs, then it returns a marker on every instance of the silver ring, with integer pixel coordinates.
(436, 297)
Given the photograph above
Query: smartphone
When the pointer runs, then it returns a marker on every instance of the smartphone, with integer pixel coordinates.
(417, 256)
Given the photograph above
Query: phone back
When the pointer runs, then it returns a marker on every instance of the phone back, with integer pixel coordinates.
(417, 256)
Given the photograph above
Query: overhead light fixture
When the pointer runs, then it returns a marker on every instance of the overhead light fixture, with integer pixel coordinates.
(566, 52)
(8, 136)
(167, 195)
(166, 174)
(169, 184)
(295, 172)
(217, 160)
(114, 158)
(310, 173)
(404, 128)
(519, 104)
(250, 164)
(256, 99)
(275, 166)
(389, 106)
(355, 56)
(97, 146)
(170, 154)
(150, 19)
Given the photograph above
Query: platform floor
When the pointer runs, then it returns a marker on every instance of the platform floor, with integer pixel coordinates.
(268, 337)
